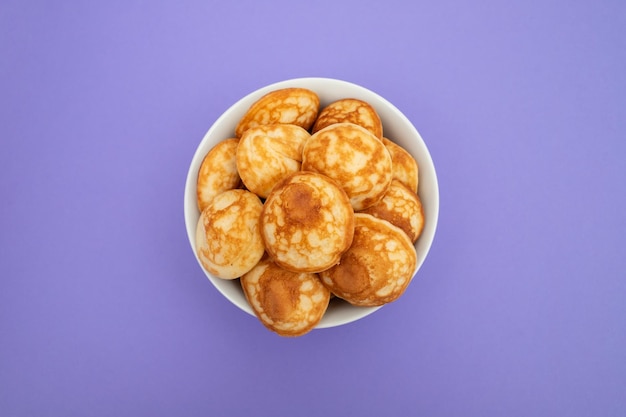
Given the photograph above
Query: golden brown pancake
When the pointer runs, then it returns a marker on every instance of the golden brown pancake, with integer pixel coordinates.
(402, 208)
(307, 222)
(378, 266)
(288, 303)
(298, 106)
(350, 110)
(353, 157)
(404, 166)
(266, 154)
(228, 237)
(218, 172)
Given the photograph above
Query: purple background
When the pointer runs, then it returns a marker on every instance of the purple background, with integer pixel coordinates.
(519, 310)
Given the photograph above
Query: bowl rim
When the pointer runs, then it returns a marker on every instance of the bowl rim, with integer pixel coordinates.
(385, 109)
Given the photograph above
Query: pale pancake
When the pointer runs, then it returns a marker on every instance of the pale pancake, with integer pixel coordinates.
(266, 154)
(307, 222)
(378, 266)
(228, 237)
(402, 208)
(298, 106)
(218, 172)
(288, 303)
(350, 110)
(404, 166)
(353, 157)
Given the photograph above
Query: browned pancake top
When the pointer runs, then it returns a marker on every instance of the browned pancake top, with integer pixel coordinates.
(228, 237)
(218, 172)
(288, 303)
(404, 166)
(353, 157)
(307, 222)
(401, 207)
(266, 154)
(297, 106)
(378, 266)
(350, 110)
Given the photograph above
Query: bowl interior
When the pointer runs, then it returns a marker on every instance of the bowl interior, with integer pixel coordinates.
(396, 127)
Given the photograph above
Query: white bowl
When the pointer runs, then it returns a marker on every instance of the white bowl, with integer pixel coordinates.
(396, 127)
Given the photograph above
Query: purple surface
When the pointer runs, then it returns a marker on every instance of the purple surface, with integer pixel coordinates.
(519, 310)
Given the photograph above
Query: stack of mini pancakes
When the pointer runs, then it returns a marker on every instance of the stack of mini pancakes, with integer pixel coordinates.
(305, 203)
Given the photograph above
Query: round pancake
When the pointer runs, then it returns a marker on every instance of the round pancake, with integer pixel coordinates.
(350, 110)
(218, 172)
(307, 222)
(287, 303)
(298, 106)
(353, 157)
(266, 154)
(378, 266)
(404, 165)
(228, 237)
(402, 208)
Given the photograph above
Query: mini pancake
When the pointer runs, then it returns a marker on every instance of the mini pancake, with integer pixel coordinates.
(353, 157)
(287, 303)
(298, 106)
(404, 165)
(228, 237)
(307, 222)
(218, 172)
(350, 110)
(402, 208)
(266, 154)
(378, 266)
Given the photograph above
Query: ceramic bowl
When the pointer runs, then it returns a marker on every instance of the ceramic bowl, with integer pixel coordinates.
(396, 126)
